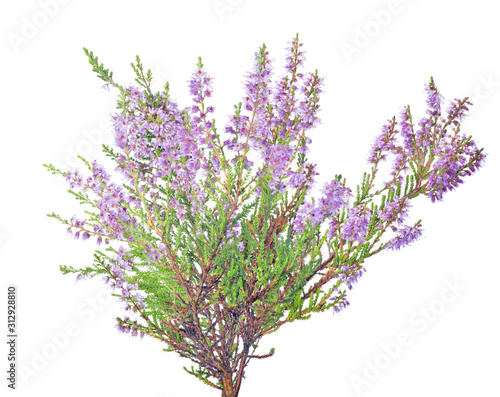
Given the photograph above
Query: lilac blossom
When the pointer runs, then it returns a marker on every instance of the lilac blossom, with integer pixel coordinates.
(356, 224)
(406, 236)
(455, 159)
(395, 211)
(457, 109)
(384, 143)
(335, 196)
(434, 99)
(407, 132)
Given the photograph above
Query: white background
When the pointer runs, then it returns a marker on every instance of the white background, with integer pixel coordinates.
(53, 108)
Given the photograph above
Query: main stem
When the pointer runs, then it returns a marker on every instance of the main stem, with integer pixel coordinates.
(228, 389)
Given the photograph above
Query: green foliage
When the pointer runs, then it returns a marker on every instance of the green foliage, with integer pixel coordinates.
(102, 73)
(144, 80)
(203, 374)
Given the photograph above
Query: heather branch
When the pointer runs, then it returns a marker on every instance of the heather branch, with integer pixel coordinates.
(217, 279)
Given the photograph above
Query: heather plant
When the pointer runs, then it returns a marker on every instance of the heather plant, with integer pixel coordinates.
(219, 248)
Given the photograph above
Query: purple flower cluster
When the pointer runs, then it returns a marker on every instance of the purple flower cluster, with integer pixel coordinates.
(114, 216)
(161, 136)
(335, 196)
(407, 133)
(128, 326)
(384, 143)
(448, 156)
(351, 274)
(356, 224)
(200, 85)
(456, 158)
(277, 158)
(395, 211)
(279, 118)
(457, 110)
(406, 235)
(76, 223)
(303, 214)
(117, 279)
(388, 142)
(340, 306)
(163, 149)
(434, 100)
(200, 88)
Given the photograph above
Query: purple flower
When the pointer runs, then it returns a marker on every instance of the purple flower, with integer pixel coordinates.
(356, 224)
(384, 143)
(434, 99)
(121, 325)
(455, 159)
(200, 84)
(395, 211)
(406, 235)
(81, 277)
(339, 307)
(296, 56)
(296, 179)
(407, 129)
(181, 209)
(316, 216)
(335, 196)
(456, 110)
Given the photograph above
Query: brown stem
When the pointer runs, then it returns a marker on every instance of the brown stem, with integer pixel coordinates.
(239, 377)
(227, 389)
